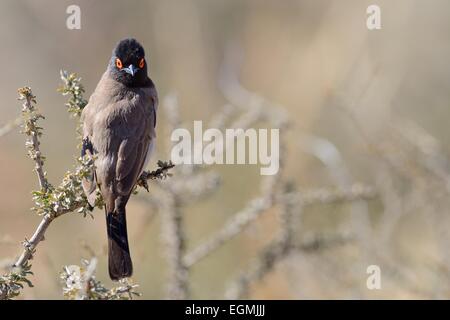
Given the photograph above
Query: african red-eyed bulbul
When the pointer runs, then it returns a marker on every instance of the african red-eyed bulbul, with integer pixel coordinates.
(119, 129)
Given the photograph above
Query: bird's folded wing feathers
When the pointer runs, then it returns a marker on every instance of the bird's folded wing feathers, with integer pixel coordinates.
(89, 183)
(130, 161)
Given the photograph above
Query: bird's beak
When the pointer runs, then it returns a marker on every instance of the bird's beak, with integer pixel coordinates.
(131, 70)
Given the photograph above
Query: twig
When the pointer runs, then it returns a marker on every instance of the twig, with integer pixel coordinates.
(60, 204)
(173, 229)
(258, 206)
(161, 173)
(265, 262)
(33, 132)
(241, 220)
(326, 196)
(232, 228)
(30, 246)
(51, 202)
(284, 243)
(272, 254)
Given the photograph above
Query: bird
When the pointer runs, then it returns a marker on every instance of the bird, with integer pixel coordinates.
(119, 133)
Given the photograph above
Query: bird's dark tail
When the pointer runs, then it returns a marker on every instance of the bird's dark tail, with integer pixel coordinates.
(119, 260)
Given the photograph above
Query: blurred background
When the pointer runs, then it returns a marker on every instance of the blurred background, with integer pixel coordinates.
(364, 106)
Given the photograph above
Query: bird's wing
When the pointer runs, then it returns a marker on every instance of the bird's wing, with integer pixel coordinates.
(89, 183)
(154, 101)
(133, 149)
(130, 161)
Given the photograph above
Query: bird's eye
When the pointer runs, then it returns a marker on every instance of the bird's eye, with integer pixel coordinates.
(119, 63)
(141, 63)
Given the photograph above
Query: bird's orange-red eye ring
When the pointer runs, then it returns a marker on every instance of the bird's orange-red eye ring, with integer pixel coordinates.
(141, 63)
(119, 63)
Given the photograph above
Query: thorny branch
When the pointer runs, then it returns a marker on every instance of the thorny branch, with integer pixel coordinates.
(34, 132)
(284, 243)
(67, 198)
(189, 184)
(241, 220)
(255, 208)
(51, 202)
(175, 238)
(193, 182)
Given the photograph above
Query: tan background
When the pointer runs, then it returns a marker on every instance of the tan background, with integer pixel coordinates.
(312, 57)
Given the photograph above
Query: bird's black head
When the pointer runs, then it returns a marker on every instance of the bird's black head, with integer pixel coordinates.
(128, 64)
